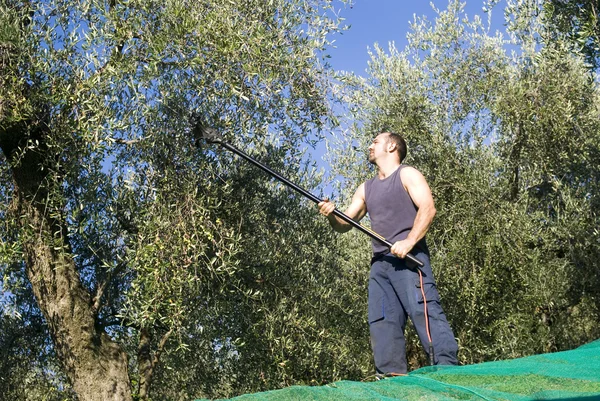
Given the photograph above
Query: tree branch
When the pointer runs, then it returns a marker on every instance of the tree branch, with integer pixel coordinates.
(97, 299)
(148, 363)
(161, 347)
(127, 141)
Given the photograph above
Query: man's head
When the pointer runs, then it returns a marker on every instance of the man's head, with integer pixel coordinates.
(387, 145)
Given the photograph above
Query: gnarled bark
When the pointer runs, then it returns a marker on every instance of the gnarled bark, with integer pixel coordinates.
(95, 365)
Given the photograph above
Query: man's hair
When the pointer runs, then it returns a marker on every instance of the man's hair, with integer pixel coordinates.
(400, 144)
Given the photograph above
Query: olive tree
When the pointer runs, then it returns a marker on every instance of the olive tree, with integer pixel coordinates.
(111, 203)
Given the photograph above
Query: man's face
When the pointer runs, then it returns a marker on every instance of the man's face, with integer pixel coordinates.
(378, 147)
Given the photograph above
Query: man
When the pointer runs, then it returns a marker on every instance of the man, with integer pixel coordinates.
(401, 208)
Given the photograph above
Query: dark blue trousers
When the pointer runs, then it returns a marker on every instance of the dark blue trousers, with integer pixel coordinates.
(394, 295)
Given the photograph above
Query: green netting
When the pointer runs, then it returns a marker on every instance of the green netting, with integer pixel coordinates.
(569, 375)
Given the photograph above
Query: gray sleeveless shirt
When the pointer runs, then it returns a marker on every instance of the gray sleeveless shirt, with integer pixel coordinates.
(391, 210)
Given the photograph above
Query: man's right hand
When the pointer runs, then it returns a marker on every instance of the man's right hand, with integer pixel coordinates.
(355, 211)
(326, 207)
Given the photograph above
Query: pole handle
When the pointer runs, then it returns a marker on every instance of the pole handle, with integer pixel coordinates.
(314, 198)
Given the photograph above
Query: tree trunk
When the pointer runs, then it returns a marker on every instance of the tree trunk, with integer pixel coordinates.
(95, 365)
(145, 364)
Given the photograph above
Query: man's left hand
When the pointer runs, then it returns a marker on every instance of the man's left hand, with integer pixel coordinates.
(402, 248)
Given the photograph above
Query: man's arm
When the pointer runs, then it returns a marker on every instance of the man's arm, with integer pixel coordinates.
(418, 190)
(356, 210)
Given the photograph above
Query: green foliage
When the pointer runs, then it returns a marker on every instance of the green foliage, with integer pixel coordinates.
(578, 21)
(507, 143)
(169, 235)
(284, 316)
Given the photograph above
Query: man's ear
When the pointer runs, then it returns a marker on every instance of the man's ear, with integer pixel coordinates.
(392, 146)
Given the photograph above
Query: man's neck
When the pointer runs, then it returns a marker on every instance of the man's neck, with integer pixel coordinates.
(386, 169)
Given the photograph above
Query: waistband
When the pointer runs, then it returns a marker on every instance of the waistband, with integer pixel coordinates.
(391, 258)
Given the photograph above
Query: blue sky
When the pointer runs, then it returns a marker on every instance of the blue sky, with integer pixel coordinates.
(382, 21)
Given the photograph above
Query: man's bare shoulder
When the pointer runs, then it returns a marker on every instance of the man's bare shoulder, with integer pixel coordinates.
(409, 172)
(360, 191)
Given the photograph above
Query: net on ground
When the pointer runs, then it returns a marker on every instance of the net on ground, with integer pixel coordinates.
(566, 376)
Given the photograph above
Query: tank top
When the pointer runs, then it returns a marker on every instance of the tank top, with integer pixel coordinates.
(391, 210)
